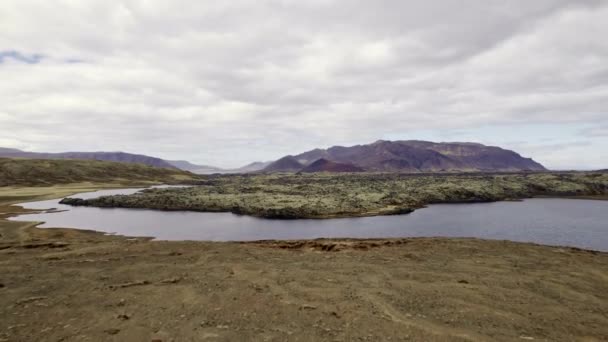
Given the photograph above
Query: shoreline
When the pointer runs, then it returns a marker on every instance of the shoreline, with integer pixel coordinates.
(70, 284)
(323, 196)
(30, 228)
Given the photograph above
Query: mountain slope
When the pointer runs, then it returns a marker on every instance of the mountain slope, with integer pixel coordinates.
(481, 157)
(324, 165)
(423, 156)
(198, 169)
(285, 164)
(34, 172)
(104, 156)
(253, 167)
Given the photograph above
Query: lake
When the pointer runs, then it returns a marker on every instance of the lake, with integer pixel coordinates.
(568, 222)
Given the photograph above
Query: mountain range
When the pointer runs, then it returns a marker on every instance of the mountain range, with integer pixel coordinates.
(105, 156)
(194, 168)
(207, 170)
(324, 165)
(131, 158)
(408, 156)
(381, 156)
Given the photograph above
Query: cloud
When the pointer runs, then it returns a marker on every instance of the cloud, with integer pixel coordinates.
(231, 82)
(596, 131)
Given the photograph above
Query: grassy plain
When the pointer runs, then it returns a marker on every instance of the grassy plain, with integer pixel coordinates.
(43, 172)
(356, 194)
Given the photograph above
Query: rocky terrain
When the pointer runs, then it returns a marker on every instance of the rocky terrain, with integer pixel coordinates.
(354, 194)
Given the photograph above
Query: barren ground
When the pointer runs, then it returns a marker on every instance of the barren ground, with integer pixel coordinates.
(69, 285)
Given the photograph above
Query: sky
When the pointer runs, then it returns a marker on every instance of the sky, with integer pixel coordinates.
(226, 83)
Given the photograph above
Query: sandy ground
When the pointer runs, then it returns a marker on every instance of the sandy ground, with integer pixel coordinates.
(68, 285)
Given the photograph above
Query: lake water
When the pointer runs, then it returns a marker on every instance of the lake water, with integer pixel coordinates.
(568, 222)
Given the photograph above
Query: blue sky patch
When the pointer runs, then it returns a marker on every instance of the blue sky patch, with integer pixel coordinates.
(21, 57)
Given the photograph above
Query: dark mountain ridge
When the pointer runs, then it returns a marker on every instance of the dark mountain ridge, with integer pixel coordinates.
(132, 158)
(324, 165)
(122, 157)
(422, 156)
(285, 164)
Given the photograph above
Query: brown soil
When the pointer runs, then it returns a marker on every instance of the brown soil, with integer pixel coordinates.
(70, 285)
(76, 286)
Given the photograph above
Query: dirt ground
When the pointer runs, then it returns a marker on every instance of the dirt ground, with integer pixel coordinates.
(69, 285)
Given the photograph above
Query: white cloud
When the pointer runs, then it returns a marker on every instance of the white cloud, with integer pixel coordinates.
(231, 82)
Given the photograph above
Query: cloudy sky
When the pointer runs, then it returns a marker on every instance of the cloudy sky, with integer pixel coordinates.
(229, 82)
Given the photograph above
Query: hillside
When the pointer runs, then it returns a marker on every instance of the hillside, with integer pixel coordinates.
(423, 156)
(34, 172)
(252, 167)
(105, 156)
(324, 165)
(285, 164)
(194, 168)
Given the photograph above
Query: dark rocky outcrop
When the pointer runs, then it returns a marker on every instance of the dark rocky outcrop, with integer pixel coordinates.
(77, 202)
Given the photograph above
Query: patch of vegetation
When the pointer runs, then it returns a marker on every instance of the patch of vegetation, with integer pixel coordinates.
(348, 195)
(39, 172)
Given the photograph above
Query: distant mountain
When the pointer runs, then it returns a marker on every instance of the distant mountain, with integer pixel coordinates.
(104, 156)
(285, 164)
(36, 172)
(324, 165)
(194, 168)
(9, 150)
(184, 165)
(206, 170)
(414, 156)
(253, 167)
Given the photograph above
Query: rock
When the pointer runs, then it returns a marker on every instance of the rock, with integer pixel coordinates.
(308, 307)
(30, 300)
(463, 282)
(171, 280)
(135, 283)
(112, 331)
(73, 201)
(123, 317)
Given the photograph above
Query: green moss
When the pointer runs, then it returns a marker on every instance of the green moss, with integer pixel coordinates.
(38, 172)
(345, 195)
